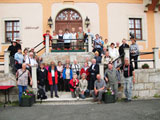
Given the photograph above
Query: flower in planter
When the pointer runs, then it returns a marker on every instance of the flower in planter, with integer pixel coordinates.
(109, 91)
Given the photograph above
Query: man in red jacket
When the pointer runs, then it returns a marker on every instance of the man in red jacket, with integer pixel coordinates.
(44, 37)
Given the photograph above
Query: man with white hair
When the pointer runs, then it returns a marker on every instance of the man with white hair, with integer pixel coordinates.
(31, 61)
(93, 70)
(76, 68)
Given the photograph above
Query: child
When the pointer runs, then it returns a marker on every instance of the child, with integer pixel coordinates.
(74, 83)
(44, 37)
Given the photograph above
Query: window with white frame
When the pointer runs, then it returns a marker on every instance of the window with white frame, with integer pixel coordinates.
(135, 28)
(12, 30)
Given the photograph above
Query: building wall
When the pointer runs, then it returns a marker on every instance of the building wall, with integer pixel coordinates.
(81, 8)
(31, 22)
(157, 28)
(118, 21)
(103, 15)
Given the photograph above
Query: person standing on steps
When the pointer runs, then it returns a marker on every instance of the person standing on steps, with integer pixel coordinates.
(22, 80)
(129, 79)
(67, 76)
(53, 79)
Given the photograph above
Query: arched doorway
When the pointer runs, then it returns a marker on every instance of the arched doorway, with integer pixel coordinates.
(68, 18)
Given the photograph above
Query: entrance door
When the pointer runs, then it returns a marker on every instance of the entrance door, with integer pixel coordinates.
(69, 19)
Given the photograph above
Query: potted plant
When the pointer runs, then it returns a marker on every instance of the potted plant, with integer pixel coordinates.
(145, 66)
(109, 96)
(27, 99)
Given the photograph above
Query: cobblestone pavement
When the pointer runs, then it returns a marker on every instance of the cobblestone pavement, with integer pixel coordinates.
(135, 110)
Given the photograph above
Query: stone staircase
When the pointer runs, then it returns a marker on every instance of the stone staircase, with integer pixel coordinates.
(62, 56)
(64, 99)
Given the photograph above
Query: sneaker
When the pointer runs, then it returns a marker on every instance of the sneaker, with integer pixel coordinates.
(77, 98)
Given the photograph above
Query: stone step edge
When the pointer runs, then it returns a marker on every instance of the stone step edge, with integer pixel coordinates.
(66, 100)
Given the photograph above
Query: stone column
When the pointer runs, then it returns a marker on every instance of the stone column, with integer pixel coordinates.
(101, 70)
(6, 62)
(34, 79)
(89, 43)
(47, 43)
(127, 54)
(155, 57)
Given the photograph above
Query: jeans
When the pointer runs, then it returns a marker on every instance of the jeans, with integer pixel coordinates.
(75, 93)
(54, 86)
(128, 87)
(21, 90)
(135, 61)
(83, 96)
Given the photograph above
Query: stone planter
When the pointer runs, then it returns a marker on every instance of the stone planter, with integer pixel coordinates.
(26, 102)
(108, 98)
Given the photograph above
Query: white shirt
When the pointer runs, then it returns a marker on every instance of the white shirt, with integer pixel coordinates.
(67, 36)
(113, 52)
(31, 61)
(60, 68)
(53, 73)
(75, 68)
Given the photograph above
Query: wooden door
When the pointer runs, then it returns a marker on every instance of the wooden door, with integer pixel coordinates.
(69, 19)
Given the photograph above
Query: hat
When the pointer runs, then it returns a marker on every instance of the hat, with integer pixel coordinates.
(18, 39)
(14, 40)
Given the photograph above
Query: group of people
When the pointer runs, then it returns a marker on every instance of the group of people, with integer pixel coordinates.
(81, 81)
(67, 39)
(105, 52)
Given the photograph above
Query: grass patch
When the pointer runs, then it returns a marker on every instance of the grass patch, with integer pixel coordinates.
(135, 97)
(156, 96)
(1, 104)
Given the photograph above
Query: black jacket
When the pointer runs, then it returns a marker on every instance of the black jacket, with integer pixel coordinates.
(13, 50)
(42, 77)
(94, 71)
(121, 49)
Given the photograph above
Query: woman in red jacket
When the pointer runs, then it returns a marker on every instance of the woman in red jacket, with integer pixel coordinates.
(53, 79)
(85, 70)
(74, 83)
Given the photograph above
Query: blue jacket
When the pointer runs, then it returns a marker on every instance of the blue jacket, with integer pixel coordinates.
(64, 74)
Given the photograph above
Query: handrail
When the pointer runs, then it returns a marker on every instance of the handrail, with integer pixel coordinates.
(146, 53)
(40, 50)
(142, 61)
(38, 45)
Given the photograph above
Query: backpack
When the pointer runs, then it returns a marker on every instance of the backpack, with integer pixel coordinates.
(41, 94)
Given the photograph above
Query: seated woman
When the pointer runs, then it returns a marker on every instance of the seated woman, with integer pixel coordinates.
(74, 83)
(83, 84)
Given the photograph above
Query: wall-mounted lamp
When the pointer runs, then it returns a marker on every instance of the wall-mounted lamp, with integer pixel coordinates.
(87, 21)
(50, 22)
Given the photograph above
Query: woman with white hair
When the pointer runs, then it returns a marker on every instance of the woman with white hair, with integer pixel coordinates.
(83, 84)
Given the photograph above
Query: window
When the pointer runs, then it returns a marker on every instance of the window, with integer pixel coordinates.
(12, 30)
(135, 28)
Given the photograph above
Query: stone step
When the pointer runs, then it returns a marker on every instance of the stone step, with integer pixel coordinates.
(65, 98)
